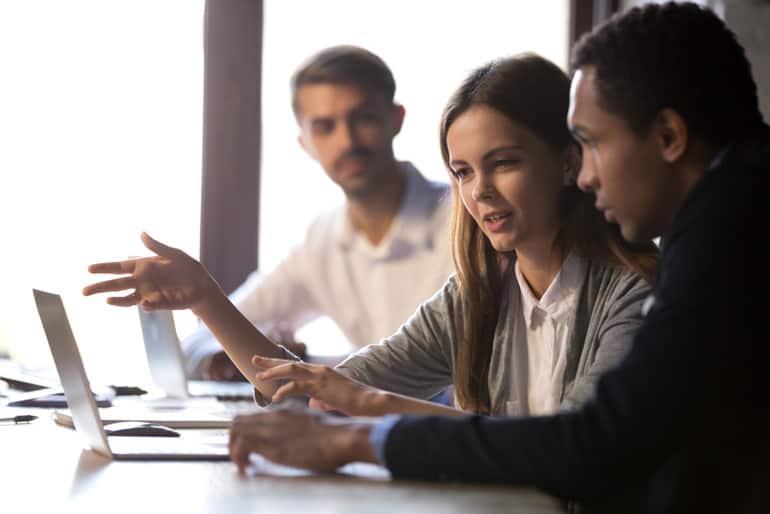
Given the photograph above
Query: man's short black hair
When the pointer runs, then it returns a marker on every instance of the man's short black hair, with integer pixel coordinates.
(345, 65)
(678, 56)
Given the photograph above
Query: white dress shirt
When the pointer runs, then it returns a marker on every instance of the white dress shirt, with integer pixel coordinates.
(368, 291)
(548, 321)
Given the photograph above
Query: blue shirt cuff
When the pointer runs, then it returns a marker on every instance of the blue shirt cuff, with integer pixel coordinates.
(379, 435)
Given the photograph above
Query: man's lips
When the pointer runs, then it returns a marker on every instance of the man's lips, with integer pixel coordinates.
(354, 159)
(352, 166)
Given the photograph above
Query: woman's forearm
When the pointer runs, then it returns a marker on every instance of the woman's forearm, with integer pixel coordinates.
(239, 337)
(383, 402)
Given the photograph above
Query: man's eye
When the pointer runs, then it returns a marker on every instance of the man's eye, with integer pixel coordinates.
(589, 143)
(323, 126)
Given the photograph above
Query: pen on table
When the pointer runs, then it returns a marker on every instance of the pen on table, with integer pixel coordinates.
(22, 418)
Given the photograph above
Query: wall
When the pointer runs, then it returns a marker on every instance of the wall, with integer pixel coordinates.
(749, 19)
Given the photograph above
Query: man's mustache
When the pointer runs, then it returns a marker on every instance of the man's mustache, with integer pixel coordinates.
(354, 153)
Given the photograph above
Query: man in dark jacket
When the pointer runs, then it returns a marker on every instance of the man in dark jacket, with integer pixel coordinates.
(665, 108)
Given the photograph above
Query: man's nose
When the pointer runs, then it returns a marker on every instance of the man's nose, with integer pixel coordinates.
(347, 135)
(587, 179)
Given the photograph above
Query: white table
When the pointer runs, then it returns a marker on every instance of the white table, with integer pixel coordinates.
(44, 470)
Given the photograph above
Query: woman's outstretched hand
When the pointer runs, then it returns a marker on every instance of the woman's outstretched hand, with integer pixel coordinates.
(170, 280)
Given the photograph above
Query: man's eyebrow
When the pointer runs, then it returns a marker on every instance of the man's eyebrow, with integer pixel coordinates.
(366, 106)
(356, 109)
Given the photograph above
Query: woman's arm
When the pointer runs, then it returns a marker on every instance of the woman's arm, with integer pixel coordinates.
(397, 375)
(331, 390)
(174, 280)
(418, 360)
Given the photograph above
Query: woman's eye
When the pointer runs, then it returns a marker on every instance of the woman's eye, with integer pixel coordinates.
(462, 173)
(507, 162)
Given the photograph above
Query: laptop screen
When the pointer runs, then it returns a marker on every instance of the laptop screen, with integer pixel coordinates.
(164, 354)
(71, 371)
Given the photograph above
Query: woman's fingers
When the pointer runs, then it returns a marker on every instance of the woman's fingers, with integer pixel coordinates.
(280, 368)
(124, 301)
(290, 371)
(268, 362)
(158, 247)
(113, 267)
(293, 388)
(117, 284)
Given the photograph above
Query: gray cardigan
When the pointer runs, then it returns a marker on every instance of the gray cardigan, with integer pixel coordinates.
(418, 360)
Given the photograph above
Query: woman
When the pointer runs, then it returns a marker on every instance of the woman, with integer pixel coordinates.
(546, 293)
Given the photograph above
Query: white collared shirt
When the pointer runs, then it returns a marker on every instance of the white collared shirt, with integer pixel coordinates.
(368, 291)
(549, 322)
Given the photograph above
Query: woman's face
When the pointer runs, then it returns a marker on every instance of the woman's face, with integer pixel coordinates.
(508, 178)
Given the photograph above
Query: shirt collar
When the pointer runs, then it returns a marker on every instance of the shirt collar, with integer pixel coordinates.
(560, 298)
(409, 226)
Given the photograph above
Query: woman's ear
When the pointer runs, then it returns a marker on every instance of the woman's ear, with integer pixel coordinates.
(571, 165)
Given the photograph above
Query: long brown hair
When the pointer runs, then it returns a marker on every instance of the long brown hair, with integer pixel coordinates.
(533, 92)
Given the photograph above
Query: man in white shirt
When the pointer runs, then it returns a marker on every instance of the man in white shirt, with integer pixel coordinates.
(368, 264)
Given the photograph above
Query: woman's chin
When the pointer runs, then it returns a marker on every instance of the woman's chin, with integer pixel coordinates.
(501, 245)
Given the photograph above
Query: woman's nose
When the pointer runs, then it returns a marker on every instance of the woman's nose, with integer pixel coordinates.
(482, 189)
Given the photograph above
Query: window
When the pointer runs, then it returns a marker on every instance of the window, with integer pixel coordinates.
(101, 138)
(101, 125)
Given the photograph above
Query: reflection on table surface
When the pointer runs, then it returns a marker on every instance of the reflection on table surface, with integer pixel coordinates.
(44, 467)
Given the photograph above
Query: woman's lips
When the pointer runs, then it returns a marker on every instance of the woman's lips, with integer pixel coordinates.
(497, 222)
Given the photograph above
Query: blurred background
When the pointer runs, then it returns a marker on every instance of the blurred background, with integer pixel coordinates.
(102, 134)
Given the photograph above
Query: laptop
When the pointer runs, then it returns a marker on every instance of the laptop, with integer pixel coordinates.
(85, 415)
(167, 365)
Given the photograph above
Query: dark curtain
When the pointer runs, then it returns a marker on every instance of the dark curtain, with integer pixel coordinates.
(231, 139)
(586, 14)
